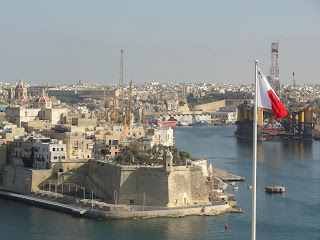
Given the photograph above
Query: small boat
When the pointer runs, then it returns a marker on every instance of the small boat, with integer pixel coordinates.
(233, 183)
(226, 226)
(250, 187)
(236, 188)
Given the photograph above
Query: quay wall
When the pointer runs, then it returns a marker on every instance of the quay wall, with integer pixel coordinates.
(198, 211)
(79, 211)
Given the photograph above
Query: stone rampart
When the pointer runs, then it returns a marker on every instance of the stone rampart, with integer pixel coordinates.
(150, 186)
(24, 180)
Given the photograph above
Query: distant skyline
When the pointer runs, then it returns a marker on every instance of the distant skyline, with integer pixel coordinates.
(164, 41)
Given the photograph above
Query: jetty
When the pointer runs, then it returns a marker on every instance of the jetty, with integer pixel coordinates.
(43, 202)
(224, 176)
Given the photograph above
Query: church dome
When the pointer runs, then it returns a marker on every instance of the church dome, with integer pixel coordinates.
(43, 98)
(21, 85)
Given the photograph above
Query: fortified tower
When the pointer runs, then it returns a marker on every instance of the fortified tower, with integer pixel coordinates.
(168, 160)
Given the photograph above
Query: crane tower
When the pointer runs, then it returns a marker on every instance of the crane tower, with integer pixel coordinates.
(274, 78)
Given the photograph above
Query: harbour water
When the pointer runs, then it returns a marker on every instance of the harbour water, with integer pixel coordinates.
(294, 164)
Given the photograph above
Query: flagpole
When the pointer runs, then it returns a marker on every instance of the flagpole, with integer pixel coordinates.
(254, 164)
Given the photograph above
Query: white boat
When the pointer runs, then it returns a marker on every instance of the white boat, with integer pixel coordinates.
(233, 183)
(250, 187)
(236, 188)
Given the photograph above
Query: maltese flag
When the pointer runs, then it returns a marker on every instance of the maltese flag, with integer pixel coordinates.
(268, 99)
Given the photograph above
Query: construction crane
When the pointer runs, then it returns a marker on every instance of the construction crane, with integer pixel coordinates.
(128, 110)
(121, 92)
(144, 123)
(113, 110)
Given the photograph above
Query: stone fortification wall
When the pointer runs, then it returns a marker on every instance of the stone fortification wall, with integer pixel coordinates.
(211, 107)
(133, 184)
(187, 187)
(152, 186)
(103, 178)
(198, 185)
(3, 156)
(145, 185)
(24, 180)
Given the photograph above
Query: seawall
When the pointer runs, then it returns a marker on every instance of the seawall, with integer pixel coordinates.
(85, 211)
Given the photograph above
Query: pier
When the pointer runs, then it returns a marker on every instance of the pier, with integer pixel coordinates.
(224, 176)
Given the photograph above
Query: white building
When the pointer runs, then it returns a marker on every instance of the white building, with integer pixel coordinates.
(161, 136)
(46, 153)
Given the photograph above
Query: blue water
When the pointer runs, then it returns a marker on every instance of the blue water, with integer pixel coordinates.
(294, 215)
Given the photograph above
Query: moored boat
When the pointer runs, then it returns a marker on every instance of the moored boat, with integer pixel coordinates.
(170, 123)
(198, 124)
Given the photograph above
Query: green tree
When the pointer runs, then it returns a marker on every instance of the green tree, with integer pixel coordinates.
(106, 150)
(184, 155)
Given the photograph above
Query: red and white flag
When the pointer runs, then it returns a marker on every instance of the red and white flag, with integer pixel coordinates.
(21, 99)
(268, 99)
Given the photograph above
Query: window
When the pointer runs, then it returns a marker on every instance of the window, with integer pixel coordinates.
(61, 149)
(57, 149)
(55, 157)
(54, 149)
(63, 157)
(75, 143)
(116, 147)
(131, 201)
(109, 142)
(116, 153)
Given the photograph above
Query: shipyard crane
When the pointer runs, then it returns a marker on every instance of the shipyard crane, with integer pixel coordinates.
(121, 92)
(144, 123)
(128, 110)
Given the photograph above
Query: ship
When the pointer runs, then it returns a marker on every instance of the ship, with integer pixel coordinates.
(171, 122)
(198, 124)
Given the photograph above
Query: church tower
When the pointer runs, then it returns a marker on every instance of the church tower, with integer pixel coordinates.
(21, 91)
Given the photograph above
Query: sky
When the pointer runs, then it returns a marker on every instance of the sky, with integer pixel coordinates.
(180, 41)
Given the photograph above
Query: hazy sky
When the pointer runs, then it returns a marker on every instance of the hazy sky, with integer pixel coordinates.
(64, 41)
